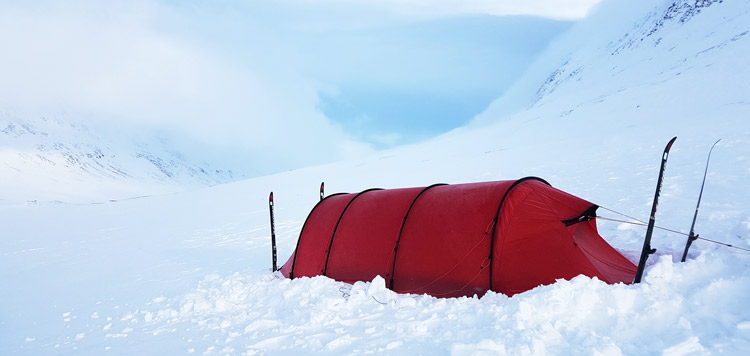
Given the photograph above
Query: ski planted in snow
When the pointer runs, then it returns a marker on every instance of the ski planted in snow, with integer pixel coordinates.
(647, 250)
(692, 236)
(273, 234)
(322, 189)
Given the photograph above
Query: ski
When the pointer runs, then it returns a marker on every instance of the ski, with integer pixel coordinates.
(322, 189)
(273, 234)
(647, 250)
(692, 236)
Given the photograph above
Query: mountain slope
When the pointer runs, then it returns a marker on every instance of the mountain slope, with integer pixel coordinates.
(627, 45)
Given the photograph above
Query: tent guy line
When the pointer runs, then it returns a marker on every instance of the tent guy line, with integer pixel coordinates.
(691, 236)
(640, 223)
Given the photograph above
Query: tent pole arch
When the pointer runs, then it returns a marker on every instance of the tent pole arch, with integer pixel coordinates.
(296, 248)
(497, 216)
(330, 244)
(401, 230)
(544, 234)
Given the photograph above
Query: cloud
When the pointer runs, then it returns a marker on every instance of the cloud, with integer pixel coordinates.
(554, 9)
(149, 63)
(245, 75)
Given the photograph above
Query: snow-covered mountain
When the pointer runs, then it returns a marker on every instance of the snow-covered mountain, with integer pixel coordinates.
(695, 49)
(50, 159)
(188, 273)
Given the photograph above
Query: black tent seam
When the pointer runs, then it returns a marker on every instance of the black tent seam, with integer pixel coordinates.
(403, 223)
(497, 217)
(296, 249)
(330, 244)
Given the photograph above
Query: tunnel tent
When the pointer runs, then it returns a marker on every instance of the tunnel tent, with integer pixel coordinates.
(457, 240)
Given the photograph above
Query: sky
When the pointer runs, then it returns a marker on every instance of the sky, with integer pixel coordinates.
(311, 79)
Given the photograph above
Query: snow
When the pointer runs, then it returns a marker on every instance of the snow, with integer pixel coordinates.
(188, 273)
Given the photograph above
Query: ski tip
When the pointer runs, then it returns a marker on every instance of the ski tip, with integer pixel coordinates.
(669, 145)
(270, 197)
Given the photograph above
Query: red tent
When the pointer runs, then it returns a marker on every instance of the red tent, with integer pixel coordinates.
(457, 240)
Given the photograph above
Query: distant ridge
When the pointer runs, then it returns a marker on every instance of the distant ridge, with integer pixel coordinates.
(64, 160)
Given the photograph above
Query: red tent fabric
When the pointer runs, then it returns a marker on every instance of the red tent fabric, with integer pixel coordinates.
(457, 240)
